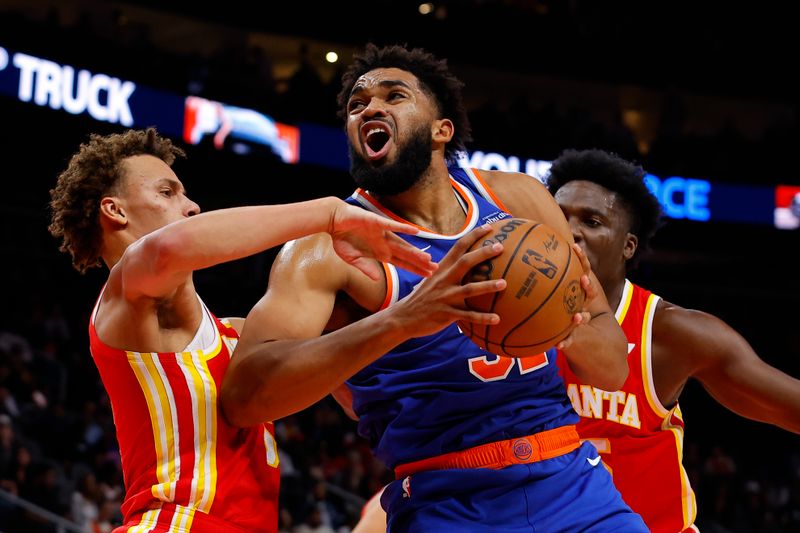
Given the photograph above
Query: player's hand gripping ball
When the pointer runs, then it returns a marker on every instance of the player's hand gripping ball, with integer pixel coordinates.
(542, 296)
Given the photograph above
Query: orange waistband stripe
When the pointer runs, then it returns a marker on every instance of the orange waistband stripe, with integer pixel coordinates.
(520, 450)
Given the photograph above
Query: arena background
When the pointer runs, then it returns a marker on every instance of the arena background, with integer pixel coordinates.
(698, 92)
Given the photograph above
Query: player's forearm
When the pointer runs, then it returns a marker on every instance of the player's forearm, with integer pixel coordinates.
(270, 380)
(599, 355)
(228, 234)
(759, 392)
(785, 414)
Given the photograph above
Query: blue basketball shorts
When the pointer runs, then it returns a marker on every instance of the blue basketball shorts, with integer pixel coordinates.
(567, 494)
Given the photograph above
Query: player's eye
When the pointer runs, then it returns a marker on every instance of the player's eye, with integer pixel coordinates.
(355, 105)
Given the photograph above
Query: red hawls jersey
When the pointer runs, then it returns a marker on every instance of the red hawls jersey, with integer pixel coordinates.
(185, 468)
(641, 442)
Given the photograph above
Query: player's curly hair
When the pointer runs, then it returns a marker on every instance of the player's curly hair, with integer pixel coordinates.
(93, 172)
(434, 76)
(624, 178)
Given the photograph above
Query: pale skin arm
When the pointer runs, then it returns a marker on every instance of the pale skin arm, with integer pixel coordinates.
(373, 517)
(700, 345)
(597, 349)
(161, 261)
(269, 379)
(149, 302)
(344, 397)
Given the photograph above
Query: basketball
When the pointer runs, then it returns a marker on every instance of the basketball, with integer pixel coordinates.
(542, 295)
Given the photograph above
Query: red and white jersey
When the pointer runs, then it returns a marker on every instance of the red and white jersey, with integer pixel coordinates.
(185, 468)
(640, 441)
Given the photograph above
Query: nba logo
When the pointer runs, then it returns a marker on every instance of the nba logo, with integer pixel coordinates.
(407, 487)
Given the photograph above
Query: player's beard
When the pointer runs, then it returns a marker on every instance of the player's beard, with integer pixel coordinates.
(413, 160)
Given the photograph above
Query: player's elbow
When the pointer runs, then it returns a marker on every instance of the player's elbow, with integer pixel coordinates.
(614, 370)
(250, 392)
(164, 250)
(606, 369)
(238, 395)
(615, 376)
(235, 408)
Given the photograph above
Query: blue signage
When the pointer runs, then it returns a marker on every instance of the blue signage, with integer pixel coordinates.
(46, 83)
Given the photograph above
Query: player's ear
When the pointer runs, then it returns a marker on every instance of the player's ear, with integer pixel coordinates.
(442, 130)
(112, 212)
(631, 244)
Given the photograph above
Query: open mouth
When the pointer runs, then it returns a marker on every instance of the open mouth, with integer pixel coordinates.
(376, 137)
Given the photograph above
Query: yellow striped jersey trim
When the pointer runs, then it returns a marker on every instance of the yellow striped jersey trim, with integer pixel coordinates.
(163, 421)
(161, 406)
(624, 302)
(203, 394)
(182, 519)
(147, 522)
(273, 459)
(647, 360)
(688, 500)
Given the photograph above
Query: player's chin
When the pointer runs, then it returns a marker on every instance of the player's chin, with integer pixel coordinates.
(379, 160)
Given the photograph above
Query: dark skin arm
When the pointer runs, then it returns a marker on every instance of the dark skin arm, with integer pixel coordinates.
(281, 363)
(689, 343)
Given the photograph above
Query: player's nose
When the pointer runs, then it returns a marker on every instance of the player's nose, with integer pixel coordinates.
(574, 228)
(375, 107)
(190, 208)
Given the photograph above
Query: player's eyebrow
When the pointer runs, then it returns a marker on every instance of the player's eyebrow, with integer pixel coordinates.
(173, 184)
(359, 87)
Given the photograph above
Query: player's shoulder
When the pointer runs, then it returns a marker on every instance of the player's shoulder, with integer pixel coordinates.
(502, 178)
(317, 243)
(311, 252)
(524, 196)
(696, 338)
(671, 321)
(313, 259)
(515, 186)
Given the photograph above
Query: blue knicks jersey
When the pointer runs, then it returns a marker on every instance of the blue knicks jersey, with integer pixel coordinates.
(442, 393)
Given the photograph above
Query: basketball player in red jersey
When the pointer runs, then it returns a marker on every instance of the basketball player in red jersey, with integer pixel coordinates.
(160, 352)
(638, 429)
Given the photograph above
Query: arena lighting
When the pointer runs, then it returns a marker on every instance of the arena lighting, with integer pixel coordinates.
(787, 207)
(331, 57)
(43, 82)
(426, 8)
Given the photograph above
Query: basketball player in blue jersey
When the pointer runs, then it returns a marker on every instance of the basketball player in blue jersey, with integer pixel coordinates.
(478, 443)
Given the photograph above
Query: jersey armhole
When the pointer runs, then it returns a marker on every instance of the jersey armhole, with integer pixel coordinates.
(392, 285)
(484, 189)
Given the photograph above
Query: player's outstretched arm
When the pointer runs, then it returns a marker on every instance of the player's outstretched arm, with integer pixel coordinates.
(160, 261)
(708, 349)
(281, 365)
(373, 517)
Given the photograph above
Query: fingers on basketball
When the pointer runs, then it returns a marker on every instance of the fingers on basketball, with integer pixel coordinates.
(543, 292)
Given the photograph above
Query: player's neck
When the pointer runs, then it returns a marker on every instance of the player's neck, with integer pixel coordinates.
(431, 203)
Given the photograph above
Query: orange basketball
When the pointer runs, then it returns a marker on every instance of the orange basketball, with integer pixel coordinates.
(543, 292)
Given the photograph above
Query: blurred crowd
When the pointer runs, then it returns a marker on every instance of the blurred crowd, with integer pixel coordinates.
(58, 449)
